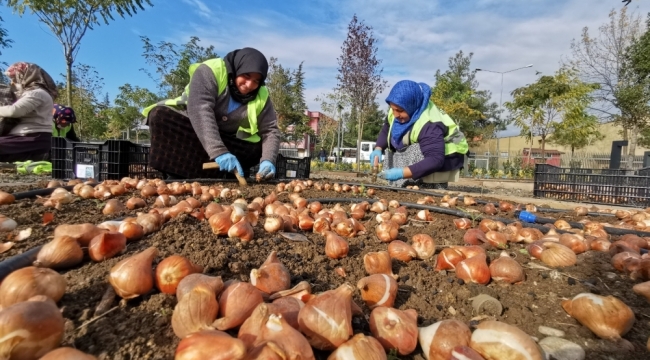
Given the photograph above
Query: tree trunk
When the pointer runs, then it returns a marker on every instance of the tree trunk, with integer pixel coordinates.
(632, 136)
(359, 117)
(543, 137)
(68, 78)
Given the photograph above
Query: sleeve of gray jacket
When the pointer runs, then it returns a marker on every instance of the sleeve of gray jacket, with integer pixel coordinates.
(269, 132)
(200, 109)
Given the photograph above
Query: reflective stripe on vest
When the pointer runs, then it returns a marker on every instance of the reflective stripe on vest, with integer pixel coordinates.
(455, 141)
(56, 132)
(246, 132)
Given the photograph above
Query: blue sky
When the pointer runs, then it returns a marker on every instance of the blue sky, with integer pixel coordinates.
(415, 37)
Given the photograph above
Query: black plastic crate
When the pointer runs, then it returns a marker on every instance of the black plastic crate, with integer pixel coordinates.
(599, 186)
(72, 160)
(292, 168)
(110, 160)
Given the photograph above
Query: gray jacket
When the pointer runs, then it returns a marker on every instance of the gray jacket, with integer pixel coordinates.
(209, 115)
(34, 109)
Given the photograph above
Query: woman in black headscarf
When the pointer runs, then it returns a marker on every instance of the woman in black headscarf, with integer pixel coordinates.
(224, 115)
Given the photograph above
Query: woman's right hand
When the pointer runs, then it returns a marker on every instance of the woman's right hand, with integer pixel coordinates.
(228, 162)
(375, 153)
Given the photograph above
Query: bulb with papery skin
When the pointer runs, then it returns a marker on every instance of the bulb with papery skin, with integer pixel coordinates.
(378, 290)
(236, 304)
(195, 311)
(272, 276)
(326, 320)
(210, 344)
(359, 347)
(497, 340)
(474, 269)
(439, 339)
(395, 329)
(606, 316)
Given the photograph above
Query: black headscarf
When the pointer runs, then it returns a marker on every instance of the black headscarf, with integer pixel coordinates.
(242, 61)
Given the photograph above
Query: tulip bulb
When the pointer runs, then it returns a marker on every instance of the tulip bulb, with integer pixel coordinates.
(359, 347)
(395, 329)
(172, 270)
(236, 304)
(335, 246)
(474, 237)
(497, 340)
(474, 269)
(401, 251)
(60, 253)
(424, 246)
(6, 198)
(506, 269)
(220, 223)
(30, 329)
(326, 320)
(242, 230)
(448, 259)
(378, 290)
(321, 225)
(529, 235)
(606, 316)
(67, 353)
(465, 353)
(345, 228)
(210, 344)
(438, 340)
(275, 329)
(273, 224)
(387, 231)
(106, 245)
(642, 289)
(191, 281)
(86, 192)
(552, 254)
(378, 207)
(22, 284)
(496, 239)
(490, 209)
(463, 223)
(83, 233)
(133, 276)
(272, 276)
(378, 263)
(195, 311)
(131, 230)
(113, 206)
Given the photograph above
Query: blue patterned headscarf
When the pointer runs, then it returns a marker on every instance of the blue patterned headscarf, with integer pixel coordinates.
(412, 97)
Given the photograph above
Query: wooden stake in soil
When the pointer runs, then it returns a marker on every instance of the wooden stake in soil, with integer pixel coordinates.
(213, 165)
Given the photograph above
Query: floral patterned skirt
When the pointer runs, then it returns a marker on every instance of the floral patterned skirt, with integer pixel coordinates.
(407, 157)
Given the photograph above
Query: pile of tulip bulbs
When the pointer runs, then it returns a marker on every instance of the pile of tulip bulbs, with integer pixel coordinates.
(272, 319)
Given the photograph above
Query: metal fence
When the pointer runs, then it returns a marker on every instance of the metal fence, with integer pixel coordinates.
(577, 160)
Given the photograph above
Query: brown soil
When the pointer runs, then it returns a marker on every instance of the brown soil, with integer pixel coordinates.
(141, 328)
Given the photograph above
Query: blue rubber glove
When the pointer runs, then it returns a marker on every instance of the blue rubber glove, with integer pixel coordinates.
(374, 153)
(267, 170)
(228, 162)
(393, 174)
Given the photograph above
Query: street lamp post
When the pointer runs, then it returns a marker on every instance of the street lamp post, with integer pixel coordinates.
(501, 99)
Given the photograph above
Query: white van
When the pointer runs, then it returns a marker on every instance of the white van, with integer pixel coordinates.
(366, 148)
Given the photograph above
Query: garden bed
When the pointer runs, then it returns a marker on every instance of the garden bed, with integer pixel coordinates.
(141, 328)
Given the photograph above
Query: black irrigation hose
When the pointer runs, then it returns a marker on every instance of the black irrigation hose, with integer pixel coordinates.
(461, 198)
(610, 230)
(18, 262)
(37, 192)
(436, 209)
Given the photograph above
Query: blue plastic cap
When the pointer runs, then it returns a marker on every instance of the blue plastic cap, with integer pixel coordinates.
(527, 217)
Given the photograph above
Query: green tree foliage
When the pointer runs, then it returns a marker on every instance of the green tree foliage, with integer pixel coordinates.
(286, 89)
(577, 130)
(86, 89)
(5, 42)
(172, 63)
(537, 108)
(634, 99)
(456, 92)
(373, 120)
(70, 19)
(124, 115)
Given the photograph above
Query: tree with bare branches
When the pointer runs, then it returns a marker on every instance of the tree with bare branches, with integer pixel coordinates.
(70, 19)
(359, 72)
(601, 59)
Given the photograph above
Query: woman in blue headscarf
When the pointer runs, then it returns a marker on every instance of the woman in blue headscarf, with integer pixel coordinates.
(423, 142)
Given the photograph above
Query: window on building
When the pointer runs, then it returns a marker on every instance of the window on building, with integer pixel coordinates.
(504, 154)
(365, 147)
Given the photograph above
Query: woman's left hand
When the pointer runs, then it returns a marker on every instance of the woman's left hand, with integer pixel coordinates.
(393, 174)
(267, 170)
